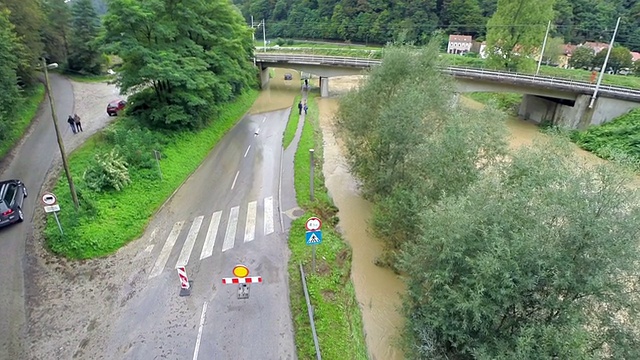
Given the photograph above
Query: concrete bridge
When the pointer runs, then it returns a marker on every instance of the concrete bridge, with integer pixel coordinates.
(546, 99)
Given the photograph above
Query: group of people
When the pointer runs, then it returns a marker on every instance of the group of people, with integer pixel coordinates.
(302, 107)
(74, 122)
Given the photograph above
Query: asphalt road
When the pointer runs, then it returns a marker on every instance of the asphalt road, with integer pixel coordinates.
(31, 161)
(232, 199)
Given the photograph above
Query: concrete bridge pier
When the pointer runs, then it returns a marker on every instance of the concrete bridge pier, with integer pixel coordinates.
(324, 86)
(264, 77)
(573, 114)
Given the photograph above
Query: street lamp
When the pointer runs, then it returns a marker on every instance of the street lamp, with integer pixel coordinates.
(264, 33)
(65, 164)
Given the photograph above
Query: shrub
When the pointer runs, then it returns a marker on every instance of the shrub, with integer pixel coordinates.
(135, 143)
(108, 172)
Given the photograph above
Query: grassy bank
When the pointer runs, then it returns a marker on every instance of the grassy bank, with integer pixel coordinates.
(615, 138)
(338, 318)
(108, 220)
(507, 102)
(22, 118)
(292, 124)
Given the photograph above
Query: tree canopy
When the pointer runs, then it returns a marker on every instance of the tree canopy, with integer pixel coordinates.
(536, 260)
(185, 57)
(85, 54)
(10, 47)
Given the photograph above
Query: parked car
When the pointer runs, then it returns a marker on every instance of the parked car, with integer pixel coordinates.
(115, 107)
(12, 195)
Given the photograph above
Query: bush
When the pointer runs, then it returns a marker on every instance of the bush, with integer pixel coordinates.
(135, 143)
(108, 172)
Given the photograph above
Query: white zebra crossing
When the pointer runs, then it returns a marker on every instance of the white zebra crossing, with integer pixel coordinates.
(232, 225)
(250, 227)
(183, 259)
(212, 230)
(210, 240)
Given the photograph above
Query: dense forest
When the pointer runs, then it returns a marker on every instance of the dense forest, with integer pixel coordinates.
(379, 21)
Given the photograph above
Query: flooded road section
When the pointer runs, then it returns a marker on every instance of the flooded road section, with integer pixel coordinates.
(279, 94)
(379, 290)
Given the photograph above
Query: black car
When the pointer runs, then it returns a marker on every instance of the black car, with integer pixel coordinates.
(12, 195)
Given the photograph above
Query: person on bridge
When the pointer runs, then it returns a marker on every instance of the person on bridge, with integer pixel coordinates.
(593, 76)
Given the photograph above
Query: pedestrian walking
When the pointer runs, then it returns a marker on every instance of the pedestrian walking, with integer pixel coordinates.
(305, 108)
(76, 120)
(299, 107)
(72, 123)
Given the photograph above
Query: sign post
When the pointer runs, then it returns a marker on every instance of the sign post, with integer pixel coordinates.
(51, 205)
(243, 279)
(185, 284)
(313, 237)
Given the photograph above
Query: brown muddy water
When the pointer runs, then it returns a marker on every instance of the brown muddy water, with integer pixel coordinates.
(279, 94)
(379, 290)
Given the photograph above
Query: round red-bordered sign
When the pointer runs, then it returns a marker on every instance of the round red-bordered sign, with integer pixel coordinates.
(49, 199)
(241, 271)
(313, 224)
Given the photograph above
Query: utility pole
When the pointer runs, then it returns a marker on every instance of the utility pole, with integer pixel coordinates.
(604, 66)
(544, 44)
(65, 164)
(253, 34)
(264, 35)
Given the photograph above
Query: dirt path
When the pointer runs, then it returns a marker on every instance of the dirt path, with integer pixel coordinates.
(68, 299)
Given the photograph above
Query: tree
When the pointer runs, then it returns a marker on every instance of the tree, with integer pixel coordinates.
(553, 51)
(515, 30)
(581, 58)
(536, 260)
(57, 30)
(414, 145)
(10, 47)
(26, 16)
(619, 58)
(464, 17)
(85, 55)
(183, 59)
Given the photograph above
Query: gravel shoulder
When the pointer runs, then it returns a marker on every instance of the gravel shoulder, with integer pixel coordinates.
(69, 302)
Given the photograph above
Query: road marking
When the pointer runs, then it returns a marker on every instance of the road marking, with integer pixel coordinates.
(199, 338)
(234, 180)
(149, 248)
(246, 152)
(187, 248)
(268, 215)
(166, 250)
(264, 118)
(230, 235)
(210, 240)
(250, 228)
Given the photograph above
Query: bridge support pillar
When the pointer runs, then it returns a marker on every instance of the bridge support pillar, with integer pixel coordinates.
(324, 86)
(264, 77)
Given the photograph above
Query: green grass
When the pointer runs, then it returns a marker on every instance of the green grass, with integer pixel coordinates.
(620, 137)
(337, 317)
(22, 118)
(507, 102)
(292, 124)
(109, 220)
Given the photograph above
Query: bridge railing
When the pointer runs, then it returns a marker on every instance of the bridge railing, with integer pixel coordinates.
(539, 80)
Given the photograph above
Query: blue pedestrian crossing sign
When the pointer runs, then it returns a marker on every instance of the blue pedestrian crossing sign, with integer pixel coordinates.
(314, 237)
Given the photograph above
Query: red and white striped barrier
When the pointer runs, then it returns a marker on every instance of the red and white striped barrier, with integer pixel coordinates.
(184, 281)
(245, 280)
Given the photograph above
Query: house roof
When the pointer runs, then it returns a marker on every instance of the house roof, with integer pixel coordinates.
(596, 45)
(635, 56)
(568, 49)
(461, 38)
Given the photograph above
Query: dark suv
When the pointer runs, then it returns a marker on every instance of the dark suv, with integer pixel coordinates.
(12, 195)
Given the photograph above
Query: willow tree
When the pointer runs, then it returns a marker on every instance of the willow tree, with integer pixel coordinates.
(182, 58)
(516, 31)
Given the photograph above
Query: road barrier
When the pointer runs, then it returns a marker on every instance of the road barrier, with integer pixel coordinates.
(310, 311)
(185, 284)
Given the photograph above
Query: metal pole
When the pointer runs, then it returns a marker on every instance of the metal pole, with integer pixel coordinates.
(72, 188)
(310, 313)
(544, 44)
(253, 34)
(604, 66)
(311, 197)
(155, 152)
(264, 35)
(313, 258)
(55, 214)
